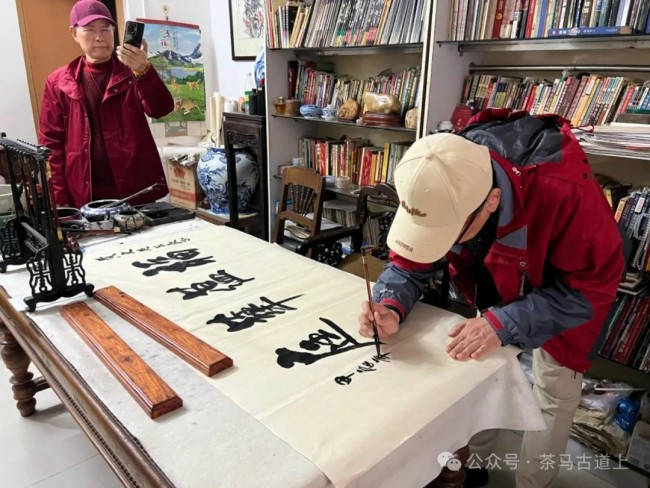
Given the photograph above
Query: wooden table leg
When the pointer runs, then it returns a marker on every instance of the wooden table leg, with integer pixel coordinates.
(17, 361)
(452, 478)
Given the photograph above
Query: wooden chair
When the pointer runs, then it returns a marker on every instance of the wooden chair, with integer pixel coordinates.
(304, 188)
(326, 248)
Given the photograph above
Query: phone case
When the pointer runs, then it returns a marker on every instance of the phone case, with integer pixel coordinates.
(133, 33)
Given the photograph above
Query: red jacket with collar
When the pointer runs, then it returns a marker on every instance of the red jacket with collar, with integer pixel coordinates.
(557, 259)
(132, 152)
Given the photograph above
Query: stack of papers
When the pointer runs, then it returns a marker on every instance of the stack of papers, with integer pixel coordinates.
(620, 139)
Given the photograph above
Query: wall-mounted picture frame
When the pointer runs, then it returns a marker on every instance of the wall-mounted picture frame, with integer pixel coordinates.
(246, 28)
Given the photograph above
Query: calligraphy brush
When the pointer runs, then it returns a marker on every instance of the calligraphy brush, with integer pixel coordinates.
(375, 333)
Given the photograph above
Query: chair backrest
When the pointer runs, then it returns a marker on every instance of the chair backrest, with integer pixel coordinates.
(375, 225)
(304, 188)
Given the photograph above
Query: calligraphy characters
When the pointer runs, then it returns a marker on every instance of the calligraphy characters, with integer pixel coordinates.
(132, 251)
(253, 314)
(332, 343)
(219, 281)
(177, 261)
(364, 367)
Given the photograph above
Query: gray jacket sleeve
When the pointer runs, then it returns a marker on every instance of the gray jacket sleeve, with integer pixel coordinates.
(400, 289)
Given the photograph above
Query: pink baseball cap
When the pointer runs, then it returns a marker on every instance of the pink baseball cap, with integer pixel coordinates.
(86, 11)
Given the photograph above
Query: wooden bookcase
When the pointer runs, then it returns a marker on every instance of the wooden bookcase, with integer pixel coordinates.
(284, 132)
(445, 66)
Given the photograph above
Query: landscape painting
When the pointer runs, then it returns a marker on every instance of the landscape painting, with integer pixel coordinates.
(175, 52)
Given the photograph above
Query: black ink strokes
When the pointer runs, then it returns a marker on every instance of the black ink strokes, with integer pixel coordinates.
(336, 342)
(177, 261)
(364, 367)
(219, 281)
(132, 251)
(253, 314)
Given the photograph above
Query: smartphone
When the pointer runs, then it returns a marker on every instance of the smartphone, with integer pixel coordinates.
(133, 32)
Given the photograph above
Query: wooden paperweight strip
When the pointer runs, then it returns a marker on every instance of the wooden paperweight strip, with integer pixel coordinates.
(199, 354)
(145, 386)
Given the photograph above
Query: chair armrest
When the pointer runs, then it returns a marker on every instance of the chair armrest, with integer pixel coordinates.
(327, 237)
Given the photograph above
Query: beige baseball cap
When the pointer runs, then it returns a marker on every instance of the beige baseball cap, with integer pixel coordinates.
(441, 180)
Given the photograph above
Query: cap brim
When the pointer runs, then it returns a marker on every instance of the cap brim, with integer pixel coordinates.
(91, 18)
(419, 243)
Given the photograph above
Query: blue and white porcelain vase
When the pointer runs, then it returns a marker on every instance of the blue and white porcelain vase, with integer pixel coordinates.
(212, 173)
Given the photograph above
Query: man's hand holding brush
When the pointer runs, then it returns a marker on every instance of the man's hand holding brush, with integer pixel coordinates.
(386, 319)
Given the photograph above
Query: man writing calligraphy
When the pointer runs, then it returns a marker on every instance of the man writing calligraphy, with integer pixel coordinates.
(511, 204)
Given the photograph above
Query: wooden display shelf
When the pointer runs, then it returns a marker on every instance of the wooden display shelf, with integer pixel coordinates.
(413, 48)
(222, 219)
(553, 43)
(344, 123)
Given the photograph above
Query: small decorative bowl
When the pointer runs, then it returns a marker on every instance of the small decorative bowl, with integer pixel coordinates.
(129, 220)
(310, 111)
(328, 113)
(94, 212)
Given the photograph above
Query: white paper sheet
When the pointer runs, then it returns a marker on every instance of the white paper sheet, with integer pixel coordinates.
(345, 429)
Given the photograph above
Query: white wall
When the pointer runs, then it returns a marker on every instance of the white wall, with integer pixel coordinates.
(16, 118)
(231, 74)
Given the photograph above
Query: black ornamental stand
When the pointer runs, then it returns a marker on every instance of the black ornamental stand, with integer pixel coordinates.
(33, 237)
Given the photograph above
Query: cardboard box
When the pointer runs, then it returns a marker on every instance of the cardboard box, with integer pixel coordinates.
(184, 188)
(638, 453)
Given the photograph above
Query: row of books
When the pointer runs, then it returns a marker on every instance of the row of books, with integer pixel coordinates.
(364, 163)
(584, 99)
(633, 216)
(323, 88)
(526, 19)
(628, 336)
(341, 23)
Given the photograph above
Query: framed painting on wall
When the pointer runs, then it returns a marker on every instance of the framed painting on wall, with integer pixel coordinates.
(246, 28)
(175, 52)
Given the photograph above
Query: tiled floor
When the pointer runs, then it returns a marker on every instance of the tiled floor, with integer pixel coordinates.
(48, 450)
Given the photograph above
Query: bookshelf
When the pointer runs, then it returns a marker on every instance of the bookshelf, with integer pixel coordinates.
(552, 43)
(544, 59)
(321, 51)
(343, 123)
(445, 65)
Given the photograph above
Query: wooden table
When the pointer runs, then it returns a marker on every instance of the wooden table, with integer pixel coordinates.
(23, 341)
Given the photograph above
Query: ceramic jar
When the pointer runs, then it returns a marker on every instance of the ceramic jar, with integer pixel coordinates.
(328, 113)
(293, 107)
(129, 220)
(93, 211)
(310, 110)
(212, 173)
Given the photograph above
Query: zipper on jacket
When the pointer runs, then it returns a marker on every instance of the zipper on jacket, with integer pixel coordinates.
(522, 282)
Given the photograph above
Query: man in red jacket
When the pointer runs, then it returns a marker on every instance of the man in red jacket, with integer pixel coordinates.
(531, 242)
(93, 116)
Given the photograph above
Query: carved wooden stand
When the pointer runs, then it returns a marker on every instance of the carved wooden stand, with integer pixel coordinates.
(23, 384)
(449, 478)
